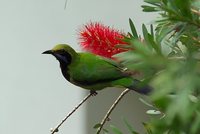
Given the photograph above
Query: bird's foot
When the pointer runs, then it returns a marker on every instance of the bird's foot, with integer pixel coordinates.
(94, 93)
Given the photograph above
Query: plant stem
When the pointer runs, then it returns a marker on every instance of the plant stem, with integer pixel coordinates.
(65, 4)
(53, 130)
(111, 109)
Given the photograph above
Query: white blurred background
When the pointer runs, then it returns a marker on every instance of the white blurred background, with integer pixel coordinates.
(34, 96)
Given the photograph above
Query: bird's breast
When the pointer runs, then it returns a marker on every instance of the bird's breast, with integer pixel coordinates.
(65, 71)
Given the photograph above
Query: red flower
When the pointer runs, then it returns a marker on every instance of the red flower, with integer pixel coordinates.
(100, 39)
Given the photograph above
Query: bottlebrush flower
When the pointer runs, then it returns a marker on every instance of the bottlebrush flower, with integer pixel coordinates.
(100, 39)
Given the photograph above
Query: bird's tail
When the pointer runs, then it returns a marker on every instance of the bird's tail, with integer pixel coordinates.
(133, 84)
(140, 87)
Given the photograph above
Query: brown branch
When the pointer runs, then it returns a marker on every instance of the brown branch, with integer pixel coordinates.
(53, 130)
(106, 117)
(195, 11)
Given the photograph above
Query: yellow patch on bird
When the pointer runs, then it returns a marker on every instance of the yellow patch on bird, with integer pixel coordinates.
(67, 48)
(61, 47)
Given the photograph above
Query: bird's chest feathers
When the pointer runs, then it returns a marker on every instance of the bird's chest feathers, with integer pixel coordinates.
(65, 60)
(72, 71)
(64, 70)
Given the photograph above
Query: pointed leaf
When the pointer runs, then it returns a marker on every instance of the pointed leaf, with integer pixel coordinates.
(152, 1)
(149, 8)
(115, 130)
(150, 40)
(147, 128)
(96, 126)
(133, 29)
(145, 102)
(105, 130)
(130, 128)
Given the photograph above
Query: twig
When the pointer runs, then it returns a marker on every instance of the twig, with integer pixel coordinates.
(65, 4)
(53, 130)
(111, 109)
(195, 11)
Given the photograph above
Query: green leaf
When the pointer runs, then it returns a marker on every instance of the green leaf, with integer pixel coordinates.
(145, 102)
(178, 34)
(130, 128)
(105, 131)
(148, 8)
(195, 126)
(153, 2)
(96, 126)
(145, 33)
(133, 29)
(163, 31)
(147, 128)
(150, 40)
(115, 130)
(141, 49)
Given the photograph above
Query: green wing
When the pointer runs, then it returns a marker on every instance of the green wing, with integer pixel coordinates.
(90, 69)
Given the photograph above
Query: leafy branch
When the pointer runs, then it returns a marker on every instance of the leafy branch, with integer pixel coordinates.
(168, 56)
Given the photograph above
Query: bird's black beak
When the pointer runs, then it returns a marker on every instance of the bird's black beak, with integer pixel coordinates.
(48, 52)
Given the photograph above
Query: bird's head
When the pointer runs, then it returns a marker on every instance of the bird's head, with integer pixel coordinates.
(63, 53)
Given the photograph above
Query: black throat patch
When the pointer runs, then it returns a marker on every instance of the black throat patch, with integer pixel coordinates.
(65, 60)
(63, 57)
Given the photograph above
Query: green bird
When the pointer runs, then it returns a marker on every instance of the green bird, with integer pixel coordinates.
(93, 72)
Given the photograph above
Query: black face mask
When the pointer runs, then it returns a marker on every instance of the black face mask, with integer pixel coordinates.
(63, 58)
